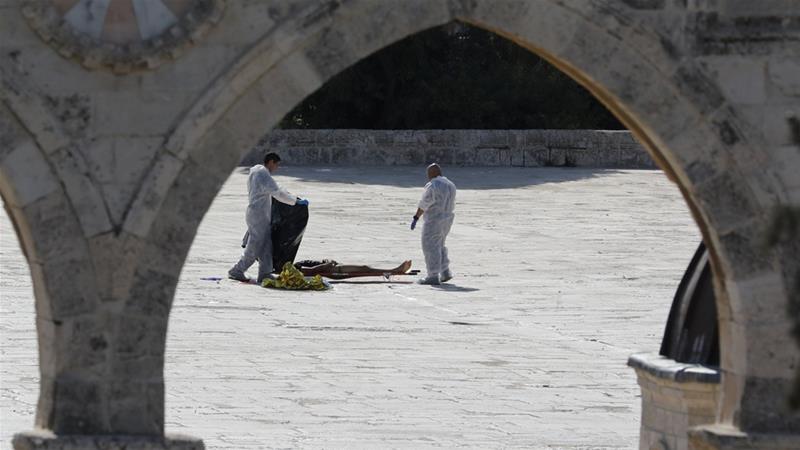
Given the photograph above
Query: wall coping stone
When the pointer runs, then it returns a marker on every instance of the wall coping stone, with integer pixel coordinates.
(46, 440)
(663, 367)
(455, 147)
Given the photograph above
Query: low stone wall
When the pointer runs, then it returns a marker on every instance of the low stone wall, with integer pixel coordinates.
(675, 397)
(522, 148)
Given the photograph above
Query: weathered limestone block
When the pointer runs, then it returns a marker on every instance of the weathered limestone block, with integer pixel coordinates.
(202, 182)
(51, 230)
(368, 27)
(148, 200)
(12, 132)
(771, 122)
(725, 200)
(408, 138)
(695, 81)
(605, 61)
(742, 80)
(114, 111)
(759, 415)
(77, 405)
(72, 111)
(44, 440)
(114, 258)
(218, 152)
(675, 397)
(244, 21)
(784, 75)
(66, 287)
(586, 158)
(297, 79)
(745, 245)
(75, 347)
(439, 138)
(492, 138)
(137, 407)
(516, 157)
(550, 26)
(758, 291)
(151, 295)
(537, 156)
(25, 103)
(118, 164)
(26, 175)
(85, 197)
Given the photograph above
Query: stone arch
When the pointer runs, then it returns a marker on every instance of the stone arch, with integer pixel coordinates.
(63, 276)
(664, 97)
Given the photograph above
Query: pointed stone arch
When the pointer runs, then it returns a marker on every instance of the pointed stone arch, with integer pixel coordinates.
(668, 100)
(653, 85)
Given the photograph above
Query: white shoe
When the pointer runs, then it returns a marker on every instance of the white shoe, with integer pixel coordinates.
(430, 279)
(237, 275)
(269, 276)
(446, 276)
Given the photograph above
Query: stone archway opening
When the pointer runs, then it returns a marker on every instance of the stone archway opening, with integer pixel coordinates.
(569, 281)
(19, 340)
(668, 83)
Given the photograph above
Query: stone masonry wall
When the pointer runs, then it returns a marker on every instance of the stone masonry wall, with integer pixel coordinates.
(523, 148)
(675, 397)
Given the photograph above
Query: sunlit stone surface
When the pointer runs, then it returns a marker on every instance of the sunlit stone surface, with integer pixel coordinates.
(560, 275)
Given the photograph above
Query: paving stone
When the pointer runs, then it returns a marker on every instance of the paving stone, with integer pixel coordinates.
(561, 274)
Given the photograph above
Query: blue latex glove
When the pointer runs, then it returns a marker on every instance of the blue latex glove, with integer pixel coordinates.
(414, 222)
(302, 202)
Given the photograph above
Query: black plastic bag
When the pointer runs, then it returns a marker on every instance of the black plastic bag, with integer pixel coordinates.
(288, 225)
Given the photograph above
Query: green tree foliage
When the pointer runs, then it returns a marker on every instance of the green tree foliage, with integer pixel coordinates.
(450, 77)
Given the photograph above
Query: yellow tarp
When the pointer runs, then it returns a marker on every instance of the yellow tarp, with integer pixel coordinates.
(291, 278)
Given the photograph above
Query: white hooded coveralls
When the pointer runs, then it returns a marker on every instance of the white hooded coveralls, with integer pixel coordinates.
(261, 188)
(438, 203)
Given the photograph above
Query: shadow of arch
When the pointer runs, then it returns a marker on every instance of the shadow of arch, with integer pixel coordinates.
(666, 100)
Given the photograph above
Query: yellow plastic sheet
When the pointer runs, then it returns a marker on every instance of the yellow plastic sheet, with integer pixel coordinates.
(291, 278)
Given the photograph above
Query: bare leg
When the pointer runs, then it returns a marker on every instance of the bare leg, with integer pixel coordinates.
(402, 268)
(330, 270)
(318, 269)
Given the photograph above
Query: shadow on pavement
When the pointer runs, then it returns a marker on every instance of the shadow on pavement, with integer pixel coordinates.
(454, 288)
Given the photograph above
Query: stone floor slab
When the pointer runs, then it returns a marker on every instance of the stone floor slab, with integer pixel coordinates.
(561, 274)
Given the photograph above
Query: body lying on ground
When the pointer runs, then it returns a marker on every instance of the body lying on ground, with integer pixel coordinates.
(329, 268)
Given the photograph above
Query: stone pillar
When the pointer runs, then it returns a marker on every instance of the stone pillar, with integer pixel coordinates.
(675, 397)
(102, 305)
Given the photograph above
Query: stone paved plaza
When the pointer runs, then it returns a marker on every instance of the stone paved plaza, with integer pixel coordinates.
(561, 274)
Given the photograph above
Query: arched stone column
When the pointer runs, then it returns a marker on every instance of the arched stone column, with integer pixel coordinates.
(72, 341)
(99, 375)
(722, 166)
(670, 101)
(106, 341)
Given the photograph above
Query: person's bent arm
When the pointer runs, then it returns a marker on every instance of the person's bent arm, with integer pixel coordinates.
(280, 194)
(283, 196)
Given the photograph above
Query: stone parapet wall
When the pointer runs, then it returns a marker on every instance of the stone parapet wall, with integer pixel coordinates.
(521, 148)
(675, 397)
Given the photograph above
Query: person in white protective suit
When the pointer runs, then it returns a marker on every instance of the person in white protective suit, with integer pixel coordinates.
(437, 204)
(261, 189)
